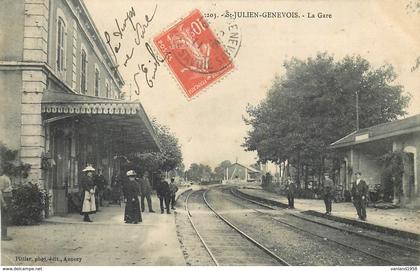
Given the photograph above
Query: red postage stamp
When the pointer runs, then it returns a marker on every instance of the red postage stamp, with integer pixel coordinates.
(193, 53)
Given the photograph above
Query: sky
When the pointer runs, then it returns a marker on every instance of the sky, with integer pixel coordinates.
(210, 127)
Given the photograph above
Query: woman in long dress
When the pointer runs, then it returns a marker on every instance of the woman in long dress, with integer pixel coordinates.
(88, 194)
(132, 212)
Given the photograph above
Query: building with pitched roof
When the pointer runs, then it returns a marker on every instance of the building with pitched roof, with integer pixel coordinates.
(61, 102)
(363, 148)
(240, 172)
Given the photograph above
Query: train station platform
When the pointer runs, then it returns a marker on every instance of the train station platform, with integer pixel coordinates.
(106, 241)
(399, 221)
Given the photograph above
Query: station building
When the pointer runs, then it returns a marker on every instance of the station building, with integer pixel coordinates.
(61, 105)
(239, 172)
(362, 151)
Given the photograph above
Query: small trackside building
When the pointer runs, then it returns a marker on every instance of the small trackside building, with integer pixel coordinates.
(362, 149)
(243, 173)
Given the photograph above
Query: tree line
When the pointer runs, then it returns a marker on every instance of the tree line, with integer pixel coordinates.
(199, 172)
(313, 104)
(168, 159)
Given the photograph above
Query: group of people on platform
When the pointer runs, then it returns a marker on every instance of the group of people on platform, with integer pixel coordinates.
(133, 188)
(359, 194)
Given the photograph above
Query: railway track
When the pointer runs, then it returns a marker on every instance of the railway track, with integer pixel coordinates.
(412, 252)
(225, 243)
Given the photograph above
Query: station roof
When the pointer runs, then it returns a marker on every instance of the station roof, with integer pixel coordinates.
(138, 133)
(253, 170)
(380, 131)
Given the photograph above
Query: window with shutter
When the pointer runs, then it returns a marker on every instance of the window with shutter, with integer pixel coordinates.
(83, 69)
(96, 82)
(61, 44)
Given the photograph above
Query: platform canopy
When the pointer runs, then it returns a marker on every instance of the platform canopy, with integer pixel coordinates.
(379, 132)
(126, 121)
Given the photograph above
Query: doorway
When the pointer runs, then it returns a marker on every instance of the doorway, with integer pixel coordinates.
(410, 177)
(61, 150)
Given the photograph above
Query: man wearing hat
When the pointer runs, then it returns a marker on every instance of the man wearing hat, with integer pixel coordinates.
(291, 188)
(132, 212)
(5, 200)
(359, 194)
(163, 193)
(100, 184)
(328, 189)
(145, 192)
(173, 188)
(88, 194)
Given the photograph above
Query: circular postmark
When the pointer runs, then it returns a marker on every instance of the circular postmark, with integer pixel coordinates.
(229, 34)
(204, 47)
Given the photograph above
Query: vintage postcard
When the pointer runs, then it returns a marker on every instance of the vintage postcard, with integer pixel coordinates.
(210, 133)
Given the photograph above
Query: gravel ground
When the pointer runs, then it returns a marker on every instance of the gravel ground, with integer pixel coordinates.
(90, 243)
(401, 218)
(374, 234)
(395, 254)
(228, 247)
(296, 247)
(403, 241)
(193, 250)
(107, 241)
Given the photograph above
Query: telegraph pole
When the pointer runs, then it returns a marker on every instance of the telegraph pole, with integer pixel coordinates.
(357, 110)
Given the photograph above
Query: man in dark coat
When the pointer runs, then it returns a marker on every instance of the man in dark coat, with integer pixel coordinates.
(163, 193)
(359, 194)
(116, 188)
(291, 189)
(100, 184)
(328, 189)
(173, 188)
(145, 192)
(132, 212)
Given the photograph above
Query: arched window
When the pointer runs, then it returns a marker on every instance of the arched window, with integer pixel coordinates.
(61, 44)
(83, 69)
